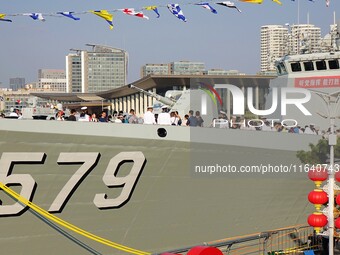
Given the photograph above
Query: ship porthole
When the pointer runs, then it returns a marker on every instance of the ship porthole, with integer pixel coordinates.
(161, 132)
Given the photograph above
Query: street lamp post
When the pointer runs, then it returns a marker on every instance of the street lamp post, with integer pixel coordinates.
(332, 104)
(331, 142)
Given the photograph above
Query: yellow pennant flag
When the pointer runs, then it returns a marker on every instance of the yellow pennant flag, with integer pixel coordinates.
(152, 8)
(277, 1)
(252, 1)
(105, 15)
(2, 17)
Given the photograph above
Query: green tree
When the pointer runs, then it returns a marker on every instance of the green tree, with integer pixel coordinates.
(319, 153)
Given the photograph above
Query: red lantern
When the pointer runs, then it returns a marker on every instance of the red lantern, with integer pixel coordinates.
(317, 220)
(337, 200)
(337, 176)
(318, 175)
(318, 197)
(337, 222)
(204, 250)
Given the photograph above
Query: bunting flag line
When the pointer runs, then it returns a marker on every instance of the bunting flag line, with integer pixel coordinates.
(177, 11)
(278, 2)
(152, 8)
(253, 1)
(208, 7)
(132, 12)
(313, 1)
(105, 15)
(173, 8)
(35, 16)
(2, 18)
(229, 4)
(69, 15)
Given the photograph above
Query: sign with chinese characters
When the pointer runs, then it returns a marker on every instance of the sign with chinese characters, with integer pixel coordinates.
(317, 82)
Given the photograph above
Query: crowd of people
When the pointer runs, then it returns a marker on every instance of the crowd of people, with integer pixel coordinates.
(164, 118)
(192, 119)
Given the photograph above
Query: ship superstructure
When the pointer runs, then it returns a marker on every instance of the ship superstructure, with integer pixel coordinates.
(319, 73)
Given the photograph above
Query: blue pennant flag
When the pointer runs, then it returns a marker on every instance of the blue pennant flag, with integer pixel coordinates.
(176, 10)
(69, 15)
(35, 16)
(208, 7)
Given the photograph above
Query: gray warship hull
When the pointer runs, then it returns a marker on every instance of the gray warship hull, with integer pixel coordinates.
(159, 194)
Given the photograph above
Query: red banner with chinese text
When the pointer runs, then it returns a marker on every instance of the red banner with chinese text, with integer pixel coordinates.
(317, 82)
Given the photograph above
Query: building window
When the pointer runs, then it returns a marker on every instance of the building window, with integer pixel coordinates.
(333, 64)
(308, 66)
(321, 65)
(296, 67)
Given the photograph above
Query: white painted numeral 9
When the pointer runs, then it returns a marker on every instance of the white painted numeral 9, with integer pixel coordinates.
(127, 182)
(27, 183)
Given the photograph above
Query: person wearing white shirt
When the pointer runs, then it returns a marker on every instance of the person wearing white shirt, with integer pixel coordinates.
(164, 117)
(149, 117)
(84, 116)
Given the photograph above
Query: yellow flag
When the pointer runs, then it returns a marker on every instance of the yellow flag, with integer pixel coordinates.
(252, 1)
(150, 8)
(277, 1)
(105, 15)
(2, 17)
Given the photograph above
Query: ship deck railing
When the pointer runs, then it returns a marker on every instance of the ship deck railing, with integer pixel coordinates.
(291, 240)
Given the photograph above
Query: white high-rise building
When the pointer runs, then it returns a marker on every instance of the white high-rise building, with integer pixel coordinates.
(278, 40)
(101, 69)
(273, 45)
(304, 38)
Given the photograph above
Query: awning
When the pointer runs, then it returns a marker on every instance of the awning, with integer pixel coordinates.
(90, 98)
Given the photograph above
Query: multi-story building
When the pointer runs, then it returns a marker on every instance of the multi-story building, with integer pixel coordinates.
(16, 83)
(184, 68)
(52, 80)
(223, 72)
(175, 68)
(274, 43)
(74, 81)
(158, 69)
(102, 68)
(187, 67)
(304, 38)
(277, 41)
(331, 41)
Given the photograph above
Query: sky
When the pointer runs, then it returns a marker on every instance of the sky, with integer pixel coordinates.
(227, 40)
